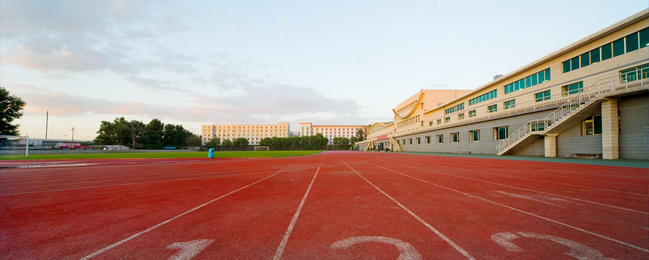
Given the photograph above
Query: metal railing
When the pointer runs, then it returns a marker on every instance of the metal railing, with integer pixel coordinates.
(575, 102)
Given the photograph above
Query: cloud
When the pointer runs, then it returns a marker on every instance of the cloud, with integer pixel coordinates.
(421, 9)
(440, 2)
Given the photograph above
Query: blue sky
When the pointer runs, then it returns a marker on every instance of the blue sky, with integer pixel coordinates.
(244, 62)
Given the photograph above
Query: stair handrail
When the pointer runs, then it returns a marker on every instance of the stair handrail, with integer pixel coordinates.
(603, 85)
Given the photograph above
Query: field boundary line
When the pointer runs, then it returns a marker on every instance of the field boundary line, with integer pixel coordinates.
(442, 236)
(519, 188)
(520, 210)
(178, 216)
(282, 245)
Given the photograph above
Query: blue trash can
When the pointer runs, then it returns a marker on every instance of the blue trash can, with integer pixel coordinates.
(210, 154)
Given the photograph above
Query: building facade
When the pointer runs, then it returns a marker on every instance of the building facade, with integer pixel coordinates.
(587, 99)
(253, 133)
(330, 131)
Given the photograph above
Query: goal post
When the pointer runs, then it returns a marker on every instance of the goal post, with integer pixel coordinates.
(11, 141)
(262, 148)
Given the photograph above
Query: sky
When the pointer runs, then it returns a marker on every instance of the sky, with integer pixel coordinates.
(196, 63)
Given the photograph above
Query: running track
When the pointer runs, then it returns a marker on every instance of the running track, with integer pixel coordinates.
(334, 205)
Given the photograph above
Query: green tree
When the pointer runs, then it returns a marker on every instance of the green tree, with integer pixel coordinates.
(240, 143)
(360, 134)
(226, 144)
(193, 140)
(152, 136)
(135, 131)
(353, 140)
(265, 142)
(10, 109)
(213, 143)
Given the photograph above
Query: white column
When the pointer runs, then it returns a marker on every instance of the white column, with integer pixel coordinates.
(610, 130)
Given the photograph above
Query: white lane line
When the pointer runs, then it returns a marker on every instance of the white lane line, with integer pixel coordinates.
(126, 184)
(521, 211)
(171, 219)
(526, 197)
(519, 188)
(559, 183)
(282, 245)
(458, 248)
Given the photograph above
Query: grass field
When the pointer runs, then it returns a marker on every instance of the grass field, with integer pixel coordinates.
(140, 155)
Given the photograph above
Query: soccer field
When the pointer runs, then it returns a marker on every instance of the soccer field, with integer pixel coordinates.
(331, 205)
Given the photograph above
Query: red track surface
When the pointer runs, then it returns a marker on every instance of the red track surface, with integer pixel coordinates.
(335, 205)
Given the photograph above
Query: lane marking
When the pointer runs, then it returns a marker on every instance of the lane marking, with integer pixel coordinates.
(458, 248)
(513, 195)
(406, 250)
(178, 216)
(126, 184)
(189, 249)
(541, 192)
(520, 210)
(577, 250)
(282, 245)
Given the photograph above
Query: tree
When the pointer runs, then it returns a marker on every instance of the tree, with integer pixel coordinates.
(226, 144)
(213, 143)
(135, 131)
(152, 136)
(240, 143)
(193, 140)
(360, 134)
(265, 142)
(353, 140)
(10, 109)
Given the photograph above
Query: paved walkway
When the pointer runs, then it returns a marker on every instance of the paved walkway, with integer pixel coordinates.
(620, 163)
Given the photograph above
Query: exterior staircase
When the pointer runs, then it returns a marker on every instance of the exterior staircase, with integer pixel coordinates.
(395, 144)
(576, 103)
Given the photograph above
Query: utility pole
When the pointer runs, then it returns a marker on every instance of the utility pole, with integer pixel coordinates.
(47, 118)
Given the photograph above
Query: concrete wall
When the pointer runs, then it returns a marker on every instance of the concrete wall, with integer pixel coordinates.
(571, 141)
(634, 127)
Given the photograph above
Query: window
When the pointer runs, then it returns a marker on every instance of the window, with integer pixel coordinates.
(542, 96)
(474, 136)
(418, 140)
(607, 51)
(632, 74)
(585, 59)
(572, 88)
(427, 139)
(510, 104)
(410, 140)
(404, 141)
(455, 137)
(594, 56)
(532, 80)
(593, 125)
(493, 108)
(440, 139)
(483, 97)
(618, 47)
(439, 121)
(460, 116)
(644, 37)
(632, 42)
(430, 123)
(501, 133)
(472, 113)
(448, 119)
(458, 107)
(574, 63)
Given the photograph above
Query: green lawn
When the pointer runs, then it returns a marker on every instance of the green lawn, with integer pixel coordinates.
(141, 155)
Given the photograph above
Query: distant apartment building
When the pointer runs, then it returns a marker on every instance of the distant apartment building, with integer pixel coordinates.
(330, 131)
(253, 133)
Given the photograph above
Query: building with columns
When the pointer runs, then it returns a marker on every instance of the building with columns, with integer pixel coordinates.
(588, 99)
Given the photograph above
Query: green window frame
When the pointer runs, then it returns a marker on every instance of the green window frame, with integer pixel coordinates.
(510, 104)
(632, 42)
(472, 113)
(410, 141)
(493, 108)
(474, 136)
(631, 74)
(455, 137)
(607, 51)
(427, 139)
(547, 74)
(534, 79)
(574, 63)
(440, 139)
(572, 88)
(585, 59)
(542, 96)
(541, 77)
(618, 47)
(644, 37)
(594, 56)
(447, 119)
(566, 66)
(593, 125)
(418, 140)
(501, 132)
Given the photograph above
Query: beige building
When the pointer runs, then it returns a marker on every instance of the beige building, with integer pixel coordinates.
(254, 133)
(586, 99)
(330, 131)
